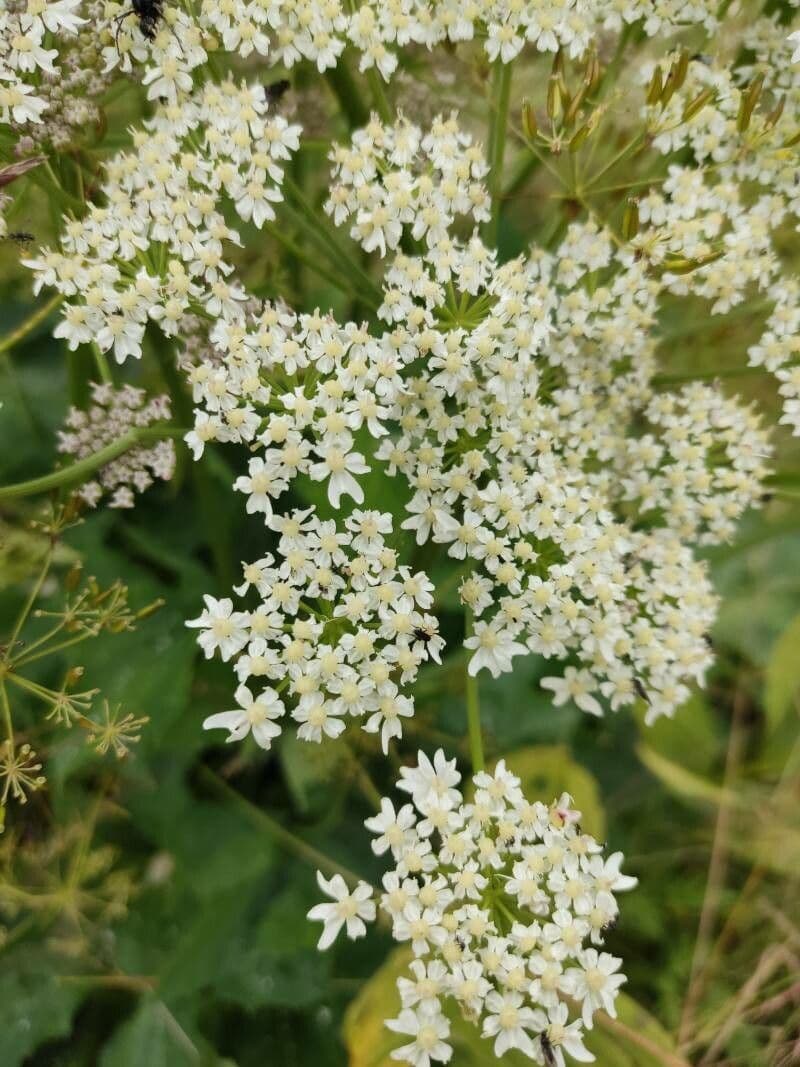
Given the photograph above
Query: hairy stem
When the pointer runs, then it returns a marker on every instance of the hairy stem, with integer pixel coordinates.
(77, 471)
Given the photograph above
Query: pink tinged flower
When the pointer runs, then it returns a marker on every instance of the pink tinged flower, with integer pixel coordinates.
(256, 714)
(351, 910)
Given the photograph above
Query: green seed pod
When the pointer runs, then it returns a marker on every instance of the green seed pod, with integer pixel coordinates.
(529, 124)
(630, 219)
(696, 105)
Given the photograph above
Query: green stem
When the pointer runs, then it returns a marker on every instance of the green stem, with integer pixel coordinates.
(76, 472)
(101, 362)
(29, 325)
(708, 376)
(473, 711)
(316, 228)
(6, 707)
(278, 833)
(31, 599)
(313, 264)
(379, 98)
(501, 96)
(348, 94)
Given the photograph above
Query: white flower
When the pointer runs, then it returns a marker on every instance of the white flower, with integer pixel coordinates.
(575, 685)
(223, 628)
(494, 649)
(429, 1029)
(256, 714)
(350, 909)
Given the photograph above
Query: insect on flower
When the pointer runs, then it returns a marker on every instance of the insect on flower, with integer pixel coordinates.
(547, 1050)
(148, 13)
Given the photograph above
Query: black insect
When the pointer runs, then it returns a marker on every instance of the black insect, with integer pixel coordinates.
(547, 1050)
(275, 93)
(640, 689)
(148, 14)
(611, 925)
(424, 634)
(20, 237)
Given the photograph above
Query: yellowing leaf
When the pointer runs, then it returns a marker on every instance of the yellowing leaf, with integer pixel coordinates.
(782, 676)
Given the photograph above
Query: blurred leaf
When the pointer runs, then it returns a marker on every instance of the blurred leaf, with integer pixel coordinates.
(310, 770)
(35, 1005)
(691, 738)
(782, 676)
(152, 1037)
(547, 771)
(686, 784)
(615, 1048)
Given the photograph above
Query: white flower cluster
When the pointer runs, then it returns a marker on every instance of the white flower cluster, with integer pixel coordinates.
(154, 251)
(297, 388)
(511, 412)
(340, 629)
(27, 28)
(173, 43)
(778, 349)
(501, 901)
(741, 187)
(114, 413)
(704, 469)
(395, 176)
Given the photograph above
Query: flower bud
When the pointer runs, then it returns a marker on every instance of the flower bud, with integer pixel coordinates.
(529, 125)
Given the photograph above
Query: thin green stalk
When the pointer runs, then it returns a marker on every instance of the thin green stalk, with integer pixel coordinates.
(101, 362)
(706, 376)
(316, 227)
(473, 710)
(501, 97)
(30, 600)
(29, 325)
(6, 713)
(279, 833)
(313, 264)
(379, 98)
(76, 472)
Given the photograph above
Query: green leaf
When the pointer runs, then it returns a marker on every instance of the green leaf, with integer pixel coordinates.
(782, 675)
(36, 1005)
(547, 771)
(152, 1037)
(686, 784)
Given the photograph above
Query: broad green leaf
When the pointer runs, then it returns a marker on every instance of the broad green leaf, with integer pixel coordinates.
(153, 1037)
(547, 771)
(36, 1005)
(782, 675)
